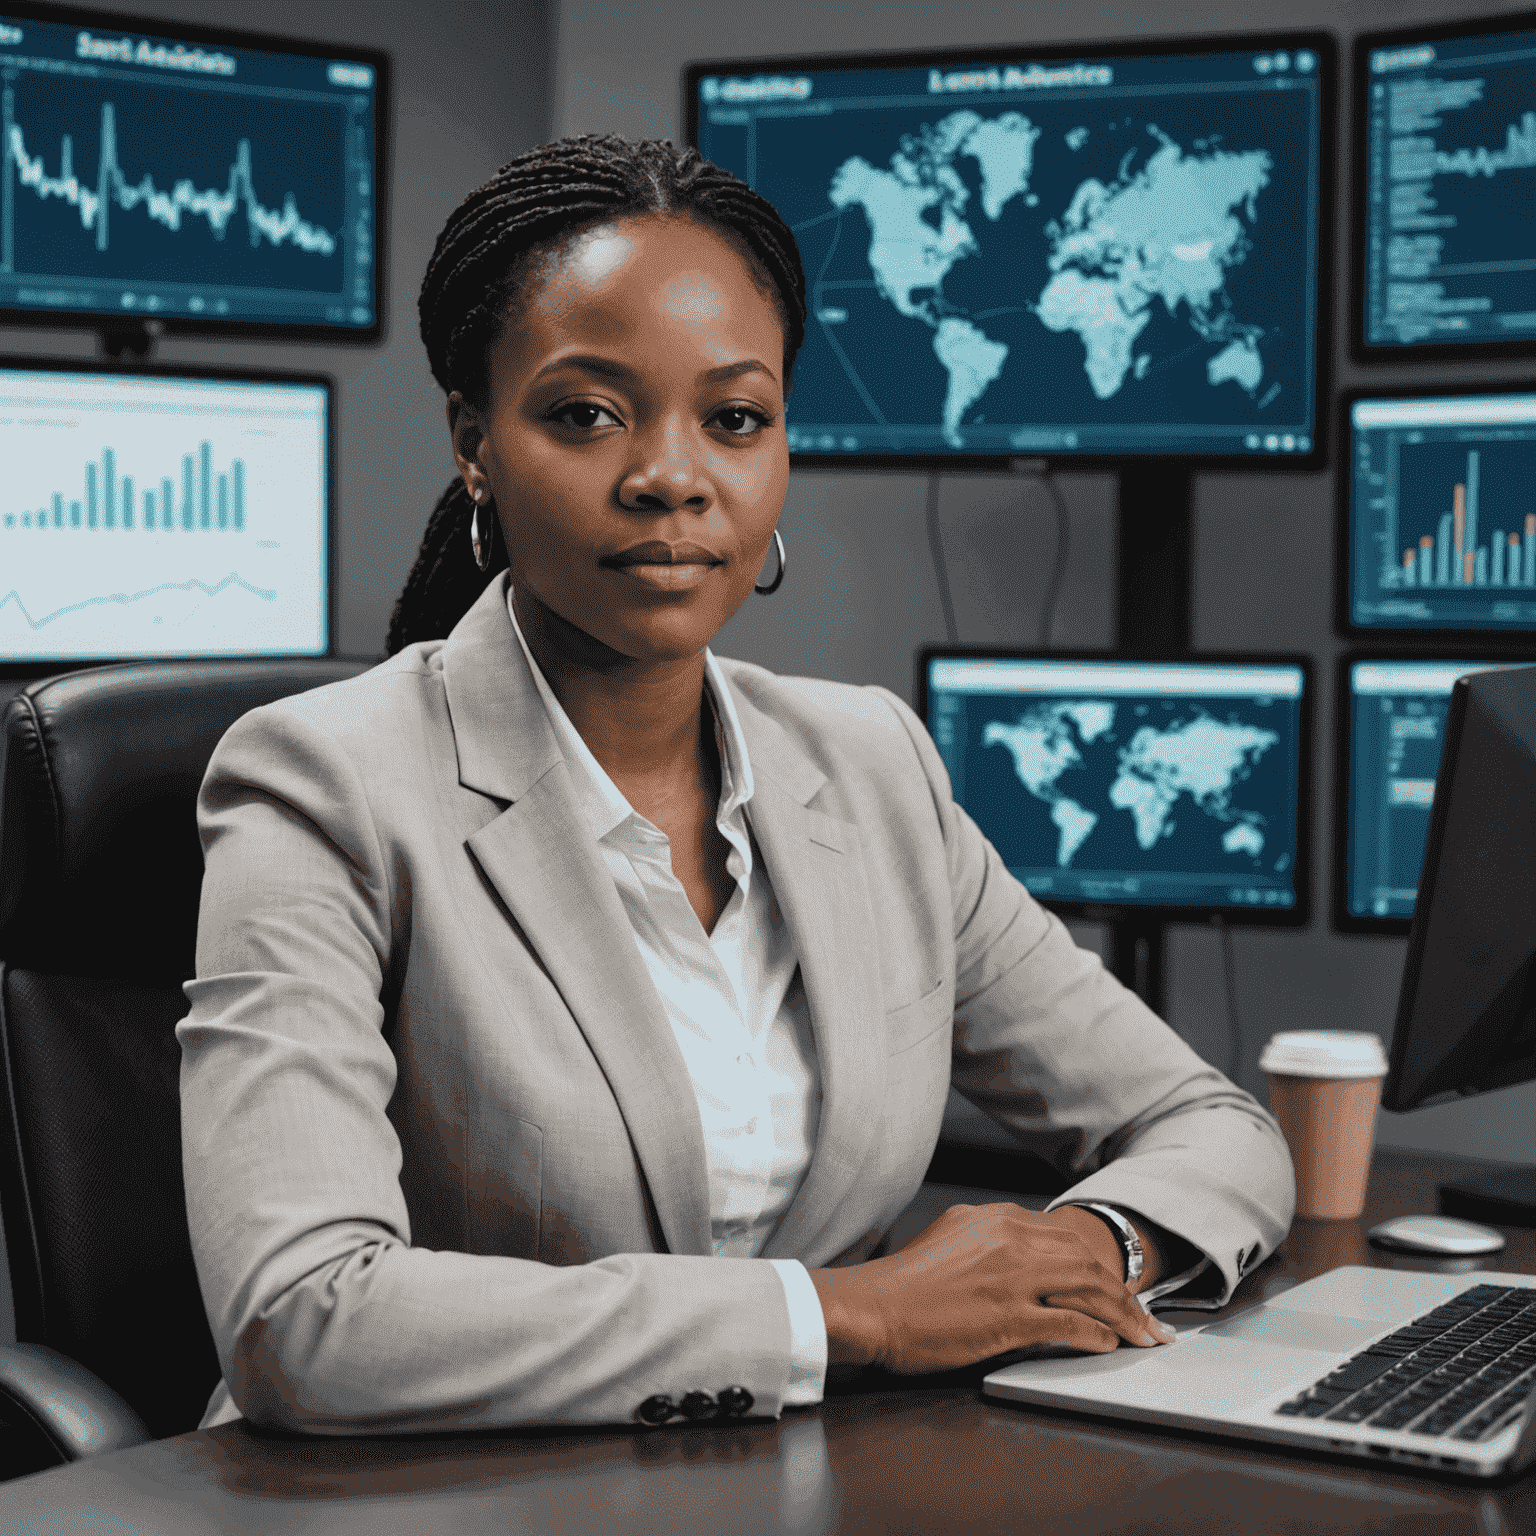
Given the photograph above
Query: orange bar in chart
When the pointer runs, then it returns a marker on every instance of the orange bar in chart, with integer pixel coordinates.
(1466, 574)
(1459, 529)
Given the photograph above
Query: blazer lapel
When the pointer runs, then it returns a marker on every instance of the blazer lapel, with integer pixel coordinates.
(819, 879)
(540, 857)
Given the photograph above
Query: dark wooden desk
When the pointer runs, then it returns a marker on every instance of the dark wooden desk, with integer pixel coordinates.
(880, 1456)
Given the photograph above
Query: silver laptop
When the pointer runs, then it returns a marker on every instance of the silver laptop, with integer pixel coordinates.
(1434, 1370)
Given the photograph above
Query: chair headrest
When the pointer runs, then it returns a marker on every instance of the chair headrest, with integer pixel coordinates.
(100, 863)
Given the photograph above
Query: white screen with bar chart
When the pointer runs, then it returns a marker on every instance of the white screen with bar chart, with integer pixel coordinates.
(1442, 513)
(162, 516)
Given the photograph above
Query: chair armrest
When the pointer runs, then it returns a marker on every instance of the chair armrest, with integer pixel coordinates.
(73, 1409)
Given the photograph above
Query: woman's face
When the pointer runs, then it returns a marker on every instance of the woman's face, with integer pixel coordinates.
(634, 440)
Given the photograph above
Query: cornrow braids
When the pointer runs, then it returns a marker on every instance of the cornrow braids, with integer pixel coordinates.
(532, 208)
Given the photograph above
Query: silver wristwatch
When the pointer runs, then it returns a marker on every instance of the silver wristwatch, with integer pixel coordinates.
(1130, 1244)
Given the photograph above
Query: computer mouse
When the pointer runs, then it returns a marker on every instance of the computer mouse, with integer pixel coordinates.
(1440, 1235)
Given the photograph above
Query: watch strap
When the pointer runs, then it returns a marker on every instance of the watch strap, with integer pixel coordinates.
(1130, 1243)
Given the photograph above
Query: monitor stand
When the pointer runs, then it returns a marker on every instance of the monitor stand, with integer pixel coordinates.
(129, 340)
(1154, 570)
(1504, 1197)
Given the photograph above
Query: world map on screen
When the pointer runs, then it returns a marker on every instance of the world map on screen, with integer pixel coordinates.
(1153, 228)
(1069, 755)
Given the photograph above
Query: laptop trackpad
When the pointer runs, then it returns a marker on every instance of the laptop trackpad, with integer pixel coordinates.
(1300, 1330)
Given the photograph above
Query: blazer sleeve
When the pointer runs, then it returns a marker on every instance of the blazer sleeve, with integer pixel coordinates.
(325, 1317)
(1085, 1075)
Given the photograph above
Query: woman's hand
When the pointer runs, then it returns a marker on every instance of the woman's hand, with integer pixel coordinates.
(981, 1280)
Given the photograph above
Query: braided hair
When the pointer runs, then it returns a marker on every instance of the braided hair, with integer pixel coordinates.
(486, 257)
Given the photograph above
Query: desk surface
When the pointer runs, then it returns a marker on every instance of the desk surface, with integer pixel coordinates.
(881, 1456)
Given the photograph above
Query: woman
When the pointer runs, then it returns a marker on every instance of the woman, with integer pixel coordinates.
(575, 1011)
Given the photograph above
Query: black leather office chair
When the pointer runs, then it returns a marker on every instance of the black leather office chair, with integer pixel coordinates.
(100, 870)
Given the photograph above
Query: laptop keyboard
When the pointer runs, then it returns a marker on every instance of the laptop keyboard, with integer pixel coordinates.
(1460, 1371)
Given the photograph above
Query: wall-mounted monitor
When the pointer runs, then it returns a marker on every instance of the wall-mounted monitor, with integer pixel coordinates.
(1172, 788)
(162, 514)
(1081, 253)
(188, 178)
(1445, 240)
(1437, 516)
(1390, 734)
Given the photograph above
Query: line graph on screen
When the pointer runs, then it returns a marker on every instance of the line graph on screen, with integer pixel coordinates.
(13, 599)
(112, 188)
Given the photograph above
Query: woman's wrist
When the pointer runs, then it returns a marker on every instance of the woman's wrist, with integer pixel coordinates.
(852, 1314)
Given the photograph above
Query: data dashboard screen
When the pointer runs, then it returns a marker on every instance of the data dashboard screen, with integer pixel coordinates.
(1450, 186)
(1395, 734)
(157, 515)
(1107, 782)
(189, 179)
(1440, 522)
(1078, 254)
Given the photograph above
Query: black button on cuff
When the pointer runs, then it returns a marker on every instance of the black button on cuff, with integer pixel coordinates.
(697, 1405)
(656, 1410)
(733, 1402)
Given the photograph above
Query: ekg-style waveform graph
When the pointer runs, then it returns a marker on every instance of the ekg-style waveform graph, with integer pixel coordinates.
(126, 599)
(164, 207)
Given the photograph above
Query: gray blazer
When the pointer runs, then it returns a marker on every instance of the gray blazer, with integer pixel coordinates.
(444, 1164)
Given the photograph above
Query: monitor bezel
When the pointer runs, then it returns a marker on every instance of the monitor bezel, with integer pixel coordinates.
(1323, 43)
(188, 325)
(24, 669)
(1340, 917)
(1394, 1095)
(1300, 915)
(1426, 351)
(1424, 638)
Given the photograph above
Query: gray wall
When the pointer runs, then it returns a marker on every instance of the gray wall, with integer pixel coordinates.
(470, 91)
(860, 595)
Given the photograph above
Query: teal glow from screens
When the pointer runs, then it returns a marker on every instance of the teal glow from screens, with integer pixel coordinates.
(152, 177)
(1113, 254)
(1130, 783)
(1397, 715)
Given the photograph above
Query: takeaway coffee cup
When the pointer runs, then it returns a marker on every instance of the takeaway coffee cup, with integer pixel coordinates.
(1324, 1086)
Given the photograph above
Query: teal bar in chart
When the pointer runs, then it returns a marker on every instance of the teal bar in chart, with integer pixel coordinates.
(110, 499)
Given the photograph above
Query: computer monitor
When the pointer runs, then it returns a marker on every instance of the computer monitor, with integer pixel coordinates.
(1390, 732)
(1436, 520)
(1466, 1014)
(1078, 253)
(1445, 135)
(162, 514)
(1170, 788)
(163, 176)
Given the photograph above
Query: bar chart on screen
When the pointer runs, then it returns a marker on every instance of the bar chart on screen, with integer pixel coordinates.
(1442, 514)
(145, 516)
(1458, 553)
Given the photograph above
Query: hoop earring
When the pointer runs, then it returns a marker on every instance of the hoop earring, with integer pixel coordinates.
(778, 581)
(481, 544)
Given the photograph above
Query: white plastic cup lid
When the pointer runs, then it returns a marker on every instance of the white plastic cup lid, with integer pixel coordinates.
(1324, 1053)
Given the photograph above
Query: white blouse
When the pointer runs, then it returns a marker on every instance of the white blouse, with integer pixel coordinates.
(735, 1002)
